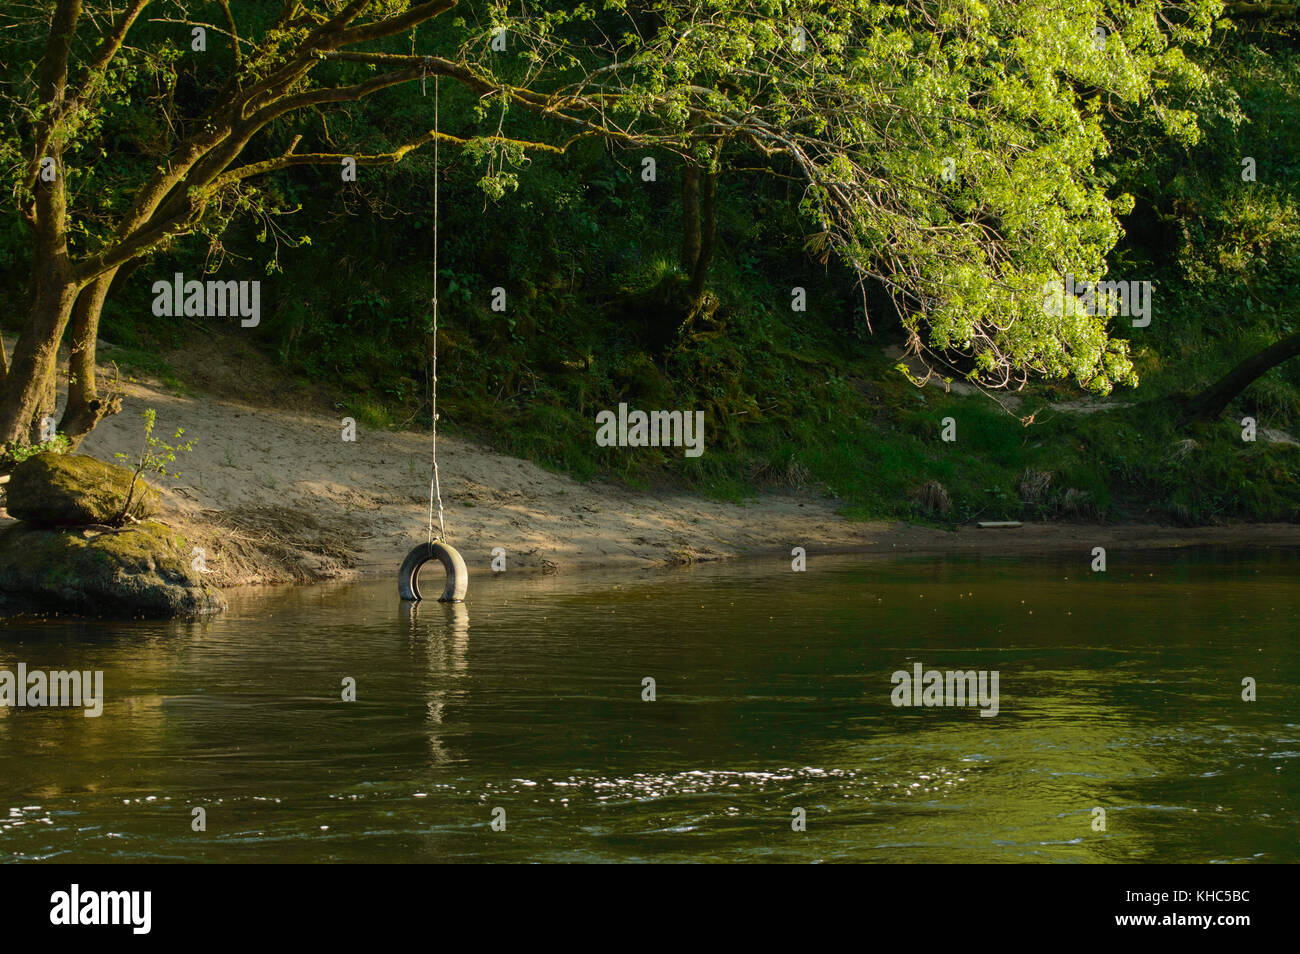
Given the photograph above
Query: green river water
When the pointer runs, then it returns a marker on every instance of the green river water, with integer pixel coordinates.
(1120, 691)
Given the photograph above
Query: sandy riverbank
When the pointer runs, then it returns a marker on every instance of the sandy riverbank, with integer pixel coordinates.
(273, 494)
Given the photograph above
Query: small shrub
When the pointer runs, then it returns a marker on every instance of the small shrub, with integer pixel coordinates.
(13, 454)
(1034, 485)
(933, 498)
(1078, 504)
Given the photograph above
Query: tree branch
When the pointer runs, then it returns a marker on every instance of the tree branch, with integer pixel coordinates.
(290, 158)
(46, 214)
(110, 45)
(393, 25)
(234, 36)
(543, 104)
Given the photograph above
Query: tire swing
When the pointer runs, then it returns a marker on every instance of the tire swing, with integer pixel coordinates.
(436, 547)
(408, 577)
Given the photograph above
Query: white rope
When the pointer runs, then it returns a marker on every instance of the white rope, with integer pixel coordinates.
(435, 491)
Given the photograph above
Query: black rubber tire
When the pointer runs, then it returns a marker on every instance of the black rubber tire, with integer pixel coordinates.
(408, 577)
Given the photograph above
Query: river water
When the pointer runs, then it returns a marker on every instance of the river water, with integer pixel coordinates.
(528, 706)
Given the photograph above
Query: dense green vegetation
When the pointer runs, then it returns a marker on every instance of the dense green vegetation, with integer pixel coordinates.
(582, 246)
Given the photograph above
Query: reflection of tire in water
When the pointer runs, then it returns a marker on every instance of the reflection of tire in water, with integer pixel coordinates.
(452, 620)
(408, 577)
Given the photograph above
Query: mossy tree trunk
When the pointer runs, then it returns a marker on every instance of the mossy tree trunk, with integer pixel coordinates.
(86, 407)
(699, 229)
(27, 392)
(28, 382)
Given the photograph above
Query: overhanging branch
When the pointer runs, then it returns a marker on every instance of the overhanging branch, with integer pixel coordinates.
(289, 159)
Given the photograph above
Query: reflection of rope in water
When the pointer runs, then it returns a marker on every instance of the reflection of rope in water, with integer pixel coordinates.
(444, 634)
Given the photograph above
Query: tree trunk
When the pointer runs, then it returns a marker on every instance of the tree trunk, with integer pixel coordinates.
(691, 238)
(41, 428)
(1213, 400)
(27, 387)
(27, 393)
(86, 407)
(707, 229)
